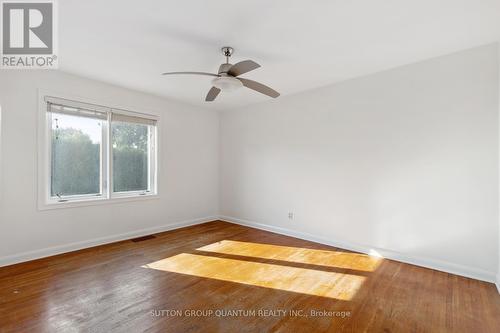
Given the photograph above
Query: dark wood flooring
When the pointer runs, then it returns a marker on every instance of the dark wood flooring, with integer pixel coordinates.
(222, 277)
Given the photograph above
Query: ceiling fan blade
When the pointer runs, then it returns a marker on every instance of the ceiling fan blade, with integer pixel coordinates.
(212, 94)
(243, 67)
(191, 73)
(259, 87)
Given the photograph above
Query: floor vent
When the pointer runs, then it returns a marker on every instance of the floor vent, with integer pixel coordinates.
(143, 238)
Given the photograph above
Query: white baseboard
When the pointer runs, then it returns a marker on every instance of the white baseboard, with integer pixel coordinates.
(50, 251)
(470, 272)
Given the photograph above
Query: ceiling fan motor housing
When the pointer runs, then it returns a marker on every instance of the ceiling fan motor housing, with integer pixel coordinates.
(224, 68)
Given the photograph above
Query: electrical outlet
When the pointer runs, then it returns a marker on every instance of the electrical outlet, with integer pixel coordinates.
(290, 215)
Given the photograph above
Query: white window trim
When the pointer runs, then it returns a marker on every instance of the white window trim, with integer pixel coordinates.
(107, 195)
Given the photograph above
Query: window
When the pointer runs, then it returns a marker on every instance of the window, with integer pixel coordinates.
(97, 153)
(76, 148)
(132, 160)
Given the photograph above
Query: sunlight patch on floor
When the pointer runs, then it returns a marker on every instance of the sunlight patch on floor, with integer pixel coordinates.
(356, 261)
(307, 281)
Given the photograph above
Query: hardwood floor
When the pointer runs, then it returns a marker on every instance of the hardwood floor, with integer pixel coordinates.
(221, 277)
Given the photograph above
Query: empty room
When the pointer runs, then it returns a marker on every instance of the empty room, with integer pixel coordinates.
(250, 166)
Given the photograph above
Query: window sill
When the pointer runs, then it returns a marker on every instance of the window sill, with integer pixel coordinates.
(95, 201)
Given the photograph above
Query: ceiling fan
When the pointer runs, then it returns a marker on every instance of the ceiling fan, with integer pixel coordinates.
(227, 78)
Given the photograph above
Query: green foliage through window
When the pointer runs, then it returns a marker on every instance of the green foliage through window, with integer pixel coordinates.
(130, 156)
(76, 144)
(75, 158)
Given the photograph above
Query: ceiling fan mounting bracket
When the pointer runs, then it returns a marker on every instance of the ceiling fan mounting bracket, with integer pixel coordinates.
(227, 51)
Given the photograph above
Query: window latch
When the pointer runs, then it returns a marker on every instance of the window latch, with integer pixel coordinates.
(60, 198)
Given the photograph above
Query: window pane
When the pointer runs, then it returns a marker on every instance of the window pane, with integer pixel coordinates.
(76, 155)
(130, 156)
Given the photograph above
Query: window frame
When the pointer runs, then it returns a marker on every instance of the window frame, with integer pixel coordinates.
(107, 196)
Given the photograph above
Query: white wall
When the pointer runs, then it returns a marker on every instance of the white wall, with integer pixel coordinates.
(403, 161)
(498, 270)
(188, 176)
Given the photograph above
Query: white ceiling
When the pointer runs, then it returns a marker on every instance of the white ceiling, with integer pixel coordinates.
(300, 44)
